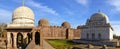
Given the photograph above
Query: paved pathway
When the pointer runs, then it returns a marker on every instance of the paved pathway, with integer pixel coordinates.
(46, 45)
(37, 47)
(31, 45)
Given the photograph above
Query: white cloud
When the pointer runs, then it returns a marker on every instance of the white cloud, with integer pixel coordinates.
(5, 15)
(34, 4)
(116, 27)
(115, 4)
(43, 8)
(115, 8)
(82, 2)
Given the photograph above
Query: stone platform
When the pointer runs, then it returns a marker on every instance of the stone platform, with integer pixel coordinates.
(101, 43)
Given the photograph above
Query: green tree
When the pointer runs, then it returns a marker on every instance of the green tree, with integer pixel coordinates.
(2, 29)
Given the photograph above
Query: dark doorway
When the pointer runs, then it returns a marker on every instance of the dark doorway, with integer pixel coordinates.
(99, 36)
(67, 34)
(12, 39)
(93, 36)
(37, 38)
(87, 36)
(19, 40)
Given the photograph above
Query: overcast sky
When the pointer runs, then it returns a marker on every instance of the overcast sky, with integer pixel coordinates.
(76, 12)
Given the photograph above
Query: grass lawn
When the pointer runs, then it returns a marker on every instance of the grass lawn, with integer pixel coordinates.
(61, 44)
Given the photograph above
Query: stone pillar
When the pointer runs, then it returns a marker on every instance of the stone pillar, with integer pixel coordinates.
(33, 35)
(41, 38)
(8, 40)
(24, 35)
(25, 38)
(15, 40)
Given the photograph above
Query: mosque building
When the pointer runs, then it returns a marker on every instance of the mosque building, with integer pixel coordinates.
(97, 31)
(97, 28)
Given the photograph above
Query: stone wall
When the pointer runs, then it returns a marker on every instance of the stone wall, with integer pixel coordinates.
(58, 32)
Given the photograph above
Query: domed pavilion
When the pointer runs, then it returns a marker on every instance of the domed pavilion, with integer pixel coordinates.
(97, 28)
(20, 29)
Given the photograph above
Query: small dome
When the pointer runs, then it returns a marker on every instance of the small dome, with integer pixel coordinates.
(43, 22)
(66, 24)
(23, 15)
(99, 16)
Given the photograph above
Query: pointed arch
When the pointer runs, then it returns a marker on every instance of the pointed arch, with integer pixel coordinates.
(67, 30)
(19, 40)
(37, 38)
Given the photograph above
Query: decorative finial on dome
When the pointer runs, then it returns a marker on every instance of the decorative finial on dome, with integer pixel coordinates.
(23, 3)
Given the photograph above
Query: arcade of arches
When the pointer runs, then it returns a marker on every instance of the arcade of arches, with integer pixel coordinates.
(19, 39)
(93, 36)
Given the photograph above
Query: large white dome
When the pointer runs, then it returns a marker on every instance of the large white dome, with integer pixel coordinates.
(23, 15)
(99, 16)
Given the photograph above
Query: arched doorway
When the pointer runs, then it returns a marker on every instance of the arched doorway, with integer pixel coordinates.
(37, 38)
(12, 39)
(99, 36)
(67, 34)
(19, 40)
(93, 36)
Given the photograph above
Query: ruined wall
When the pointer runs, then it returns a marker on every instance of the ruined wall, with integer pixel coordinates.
(58, 32)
